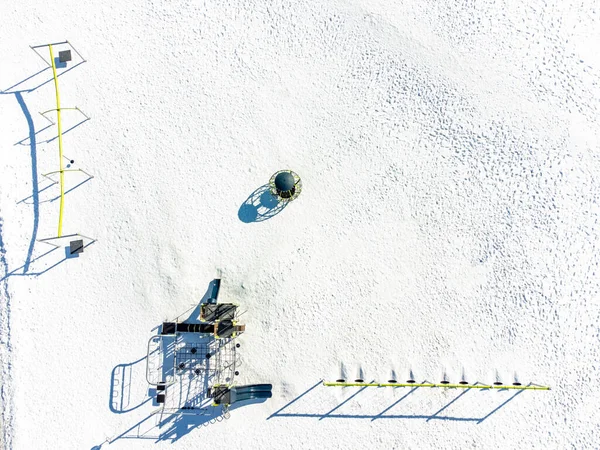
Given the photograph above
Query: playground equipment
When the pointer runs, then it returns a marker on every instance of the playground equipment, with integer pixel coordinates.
(228, 395)
(214, 312)
(285, 185)
(189, 359)
(65, 56)
(460, 385)
(220, 329)
(444, 383)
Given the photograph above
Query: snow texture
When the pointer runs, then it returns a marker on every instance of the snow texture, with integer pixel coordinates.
(448, 224)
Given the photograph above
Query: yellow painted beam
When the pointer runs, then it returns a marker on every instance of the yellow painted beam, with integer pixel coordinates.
(74, 109)
(436, 385)
(60, 149)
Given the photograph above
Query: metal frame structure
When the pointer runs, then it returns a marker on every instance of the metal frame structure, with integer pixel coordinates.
(44, 114)
(47, 175)
(34, 47)
(189, 364)
(50, 239)
(297, 186)
(426, 384)
(190, 376)
(58, 110)
(220, 366)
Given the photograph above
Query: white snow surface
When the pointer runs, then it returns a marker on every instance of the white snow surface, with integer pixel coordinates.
(448, 223)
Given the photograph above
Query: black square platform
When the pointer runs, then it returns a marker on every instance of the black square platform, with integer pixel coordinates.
(64, 56)
(76, 247)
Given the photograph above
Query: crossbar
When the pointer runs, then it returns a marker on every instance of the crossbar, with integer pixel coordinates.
(438, 385)
(46, 45)
(60, 142)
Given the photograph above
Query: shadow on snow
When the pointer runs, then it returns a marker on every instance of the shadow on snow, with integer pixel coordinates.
(261, 205)
(382, 415)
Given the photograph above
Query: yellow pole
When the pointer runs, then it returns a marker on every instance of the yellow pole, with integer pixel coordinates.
(435, 385)
(60, 150)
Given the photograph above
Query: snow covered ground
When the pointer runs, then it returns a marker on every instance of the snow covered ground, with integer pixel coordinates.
(449, 153)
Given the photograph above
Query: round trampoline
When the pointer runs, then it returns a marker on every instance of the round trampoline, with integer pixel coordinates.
(285, 185)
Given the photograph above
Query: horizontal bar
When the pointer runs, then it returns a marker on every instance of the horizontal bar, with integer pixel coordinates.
(59, 237)
(26, 79)
(67, 170)
(46, 45)
(435, 385)
(76, 108)
(45, 240)
(62, 109)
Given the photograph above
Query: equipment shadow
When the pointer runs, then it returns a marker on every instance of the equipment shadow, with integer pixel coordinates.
(24, 142)
(27, 201)
(34, 179)
(37, 80)
(261, 205)
(382, 415)
(160, 426)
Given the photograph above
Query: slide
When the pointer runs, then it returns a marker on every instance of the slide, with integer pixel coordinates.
(253, 388)
(239, 397)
